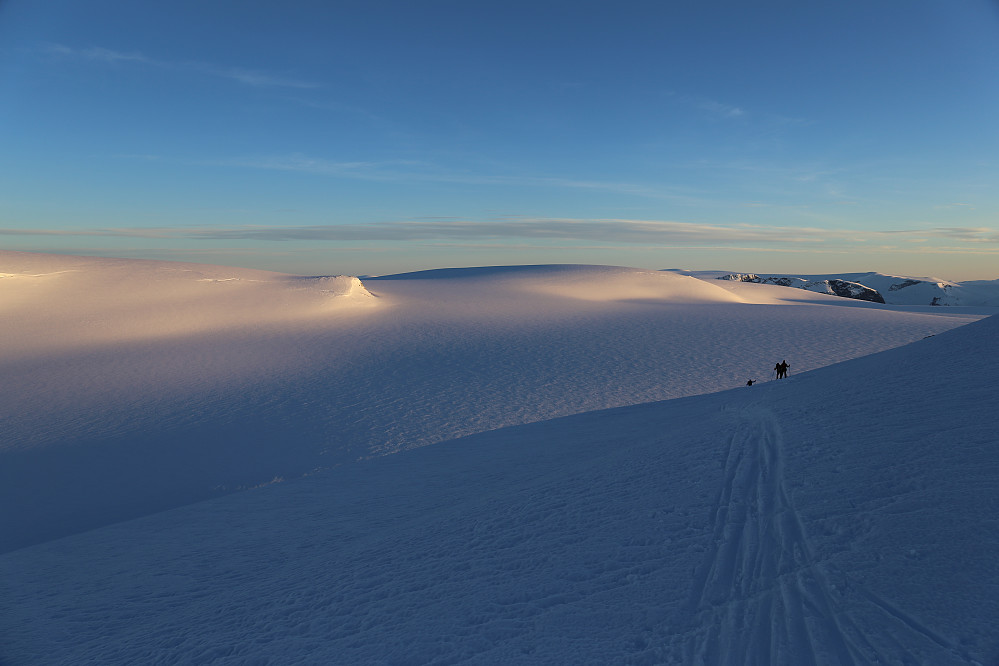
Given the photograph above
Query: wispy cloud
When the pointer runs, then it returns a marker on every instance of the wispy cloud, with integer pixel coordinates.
(712, 106)
(99, 54)
(250, 77)
(420, 171)
(763, 119)
(955, 206)
(144, 157)
(962, 234)
(719, 109)
(370, 170)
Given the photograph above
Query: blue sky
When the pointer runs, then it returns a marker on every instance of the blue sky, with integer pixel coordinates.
(377, 137)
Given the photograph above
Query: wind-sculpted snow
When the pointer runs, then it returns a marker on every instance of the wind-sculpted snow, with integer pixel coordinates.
(135, 387)
(751, 526)
(342, 286)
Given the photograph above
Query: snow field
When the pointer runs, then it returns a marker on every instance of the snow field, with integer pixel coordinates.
(772, 524)
(139, 421)
(667, 513)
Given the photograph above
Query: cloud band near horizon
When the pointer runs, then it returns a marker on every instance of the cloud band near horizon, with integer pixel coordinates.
(623, 231)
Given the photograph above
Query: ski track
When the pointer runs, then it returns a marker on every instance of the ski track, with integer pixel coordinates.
(762, 597)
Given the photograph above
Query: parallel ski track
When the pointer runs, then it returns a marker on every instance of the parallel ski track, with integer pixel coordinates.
(760, 596)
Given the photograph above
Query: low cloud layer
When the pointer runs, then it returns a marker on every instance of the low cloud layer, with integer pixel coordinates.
(555, 229)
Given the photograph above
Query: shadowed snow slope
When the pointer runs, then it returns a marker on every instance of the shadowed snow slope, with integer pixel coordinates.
(843, 516)
(136, 386)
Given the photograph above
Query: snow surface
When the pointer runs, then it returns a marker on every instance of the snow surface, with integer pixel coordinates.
(844, 515)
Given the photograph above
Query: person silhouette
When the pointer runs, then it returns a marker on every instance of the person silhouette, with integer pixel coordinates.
(782, 369)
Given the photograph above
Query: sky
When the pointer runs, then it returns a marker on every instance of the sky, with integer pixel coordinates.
(377, 137)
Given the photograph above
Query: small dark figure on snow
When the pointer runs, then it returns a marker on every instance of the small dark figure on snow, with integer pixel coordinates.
(750, 382)
(781, 369)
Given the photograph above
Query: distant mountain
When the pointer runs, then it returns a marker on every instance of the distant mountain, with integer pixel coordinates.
(880, 288)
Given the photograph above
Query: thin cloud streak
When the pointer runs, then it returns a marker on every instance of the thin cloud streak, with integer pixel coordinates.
(405, 171)
(711, 106)
(719, 109)
(250, 77)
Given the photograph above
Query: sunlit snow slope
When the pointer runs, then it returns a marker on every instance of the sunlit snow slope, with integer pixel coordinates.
(841, 516)
(136, 386)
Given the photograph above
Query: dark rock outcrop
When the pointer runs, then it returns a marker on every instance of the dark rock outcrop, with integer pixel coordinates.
(855, 290)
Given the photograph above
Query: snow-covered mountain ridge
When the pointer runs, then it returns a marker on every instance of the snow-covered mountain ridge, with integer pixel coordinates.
(833, 286)
(880, 288)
